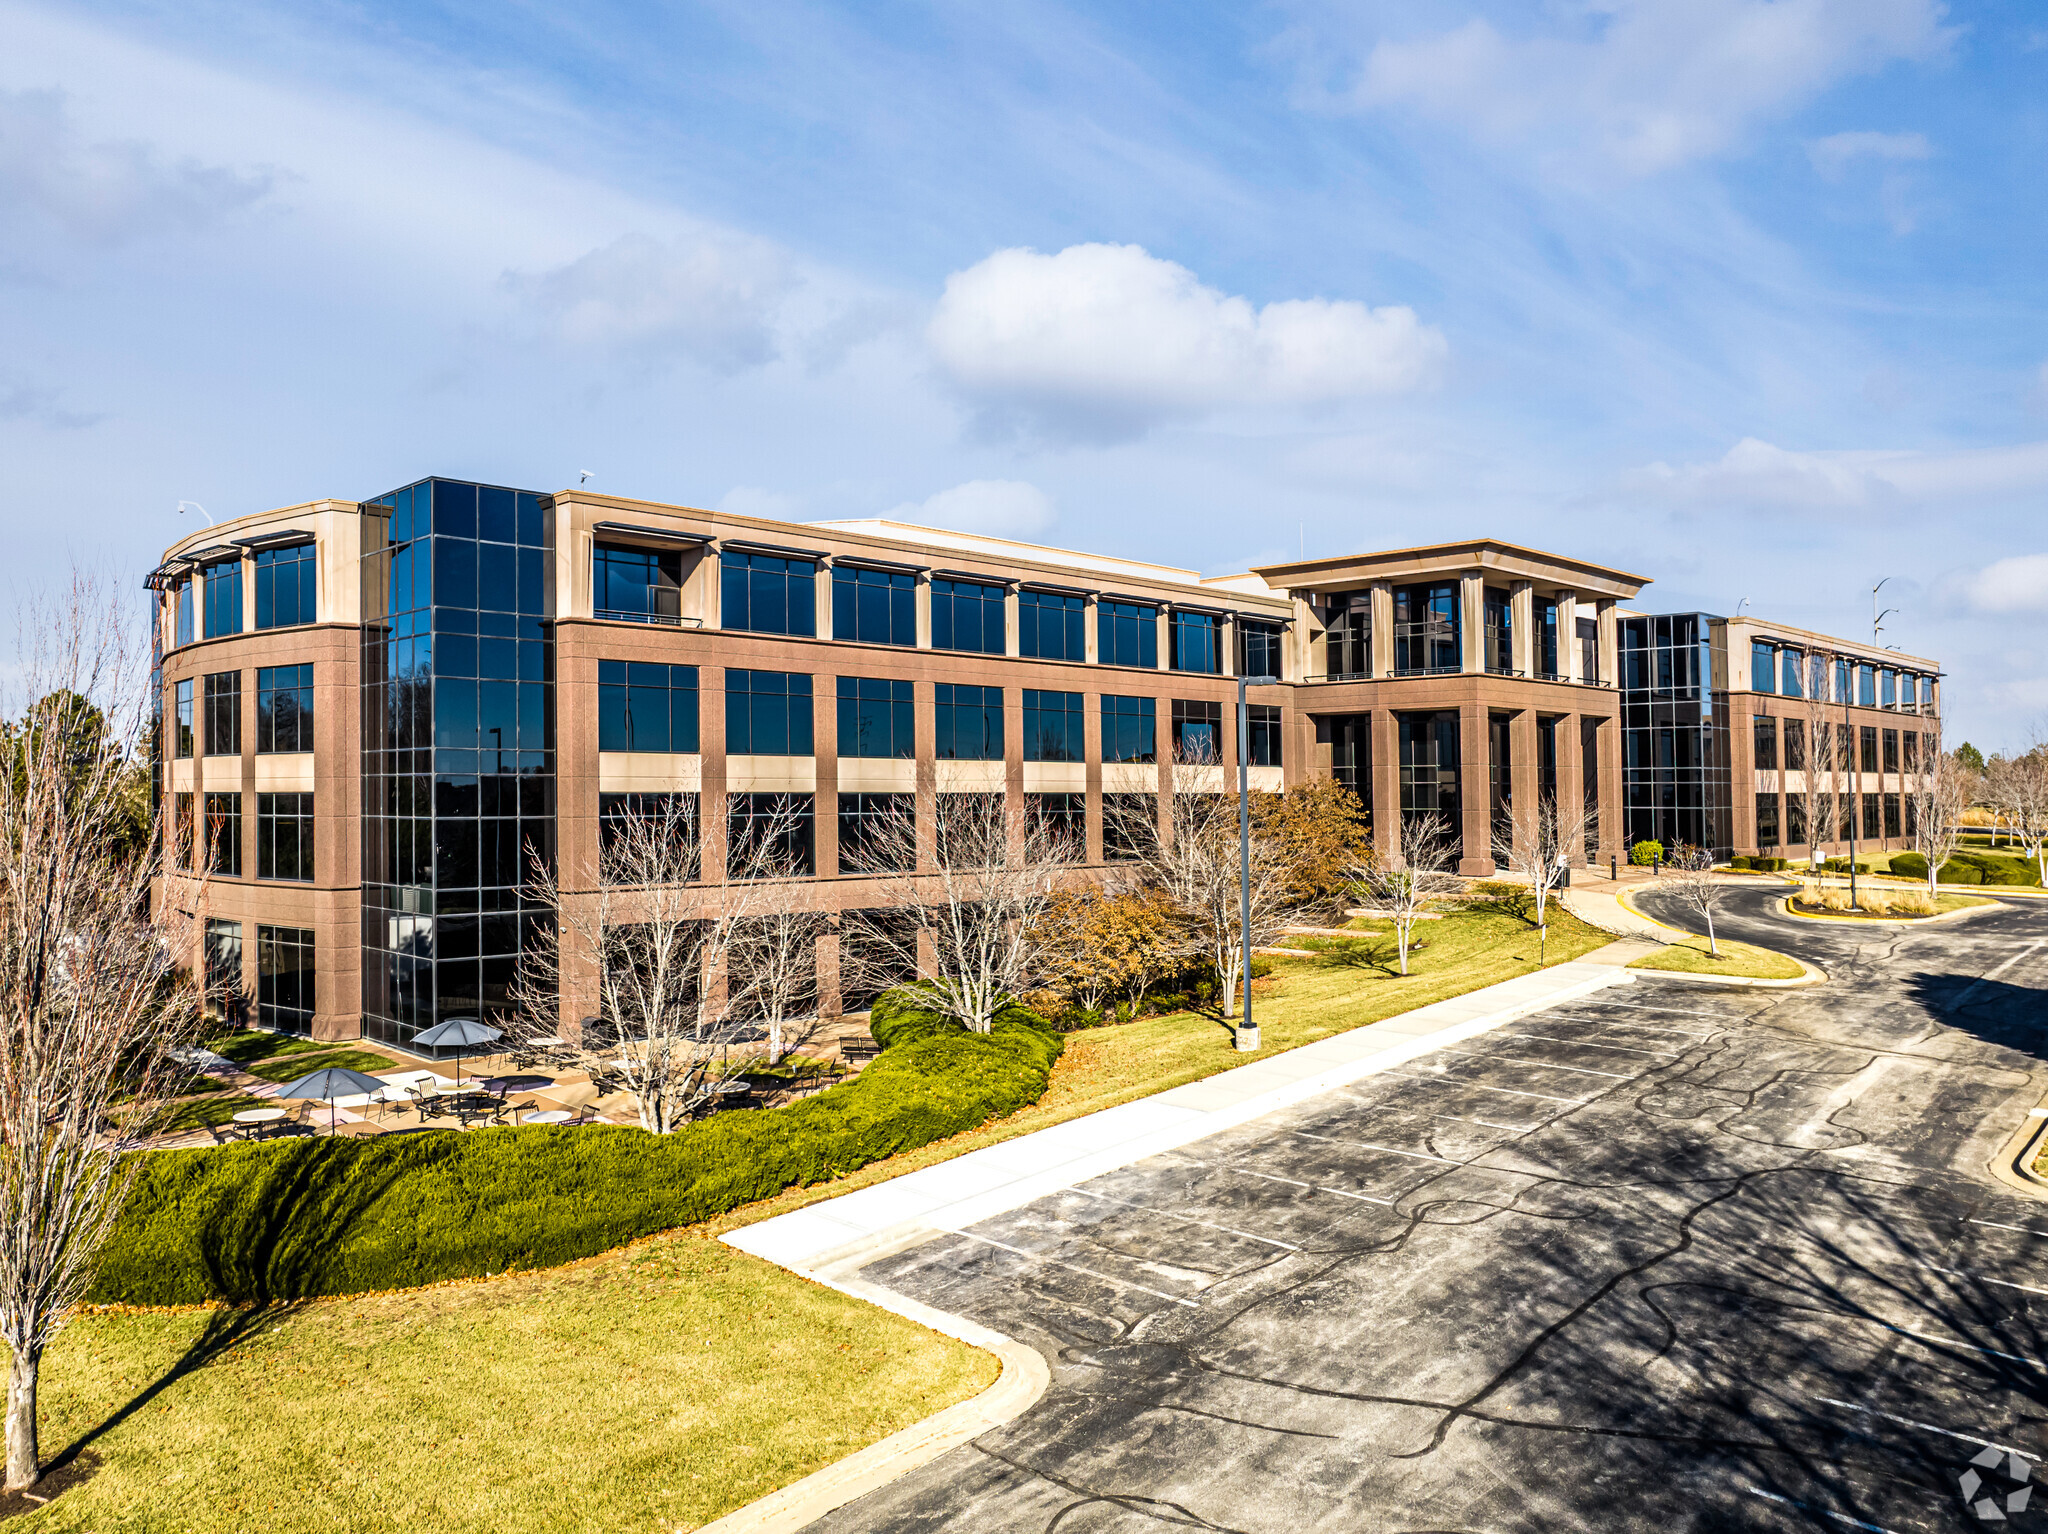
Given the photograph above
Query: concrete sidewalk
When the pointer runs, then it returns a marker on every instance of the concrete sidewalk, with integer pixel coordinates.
(843, 1232)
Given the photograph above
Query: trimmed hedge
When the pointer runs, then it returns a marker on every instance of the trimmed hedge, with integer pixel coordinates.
(1970, 868)
(303, 1218)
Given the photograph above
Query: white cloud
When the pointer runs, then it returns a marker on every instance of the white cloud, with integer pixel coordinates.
(1760, 476)
(1831, 156)
(712, 299)
(2015, 585)
(106, 191)
(22, 399)
(1100, 342)
(1009, 508)
(1645, 85)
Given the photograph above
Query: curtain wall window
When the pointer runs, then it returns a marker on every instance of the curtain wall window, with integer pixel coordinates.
(1127, 634)
(865, 845)
(967, 723)
(768, 594)
(1052, 727)
(223, 597)
(646, 706)
(1763, 666)
(1262, 735)
(967, 615)
(1197, 731)
(287, 582)
(637, 585)
(876, 718)
(284, 837)
(284, 978)
(874, 606)
(284, 709)
(1197, 641)
(181, 704)
(767, 713)
(1049, 625)
(224, 713)
(1130, 729)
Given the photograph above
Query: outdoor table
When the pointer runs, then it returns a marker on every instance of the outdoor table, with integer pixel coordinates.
(260, 1115)
(552, 1116)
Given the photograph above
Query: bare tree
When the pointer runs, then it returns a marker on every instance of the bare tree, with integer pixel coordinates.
(651, 943)
(1197, 865)
(2017, 788)
(959, 906)
(1429, 854)
(1940, 794)
(1690, 873)
(1540, 848)
(96, 998)
(772, 967)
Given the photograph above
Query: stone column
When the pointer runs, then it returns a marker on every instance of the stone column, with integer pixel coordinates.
(1571, 781)
(1568, 636)
(1386, 784)
(1165, 622)
(1091, 756)
(1382, 628)
(1610, 642)
(1522, 626)
(1091, 631)
(825, 757)
(1472, 621)
(1473, 809)
(924, 610)
(1013, 626)
(1226, 639)
(1522, 773)
(824, 580)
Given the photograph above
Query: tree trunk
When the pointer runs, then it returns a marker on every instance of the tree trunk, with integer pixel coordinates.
(1713, 949)
(23, 1452)
(1402, 928)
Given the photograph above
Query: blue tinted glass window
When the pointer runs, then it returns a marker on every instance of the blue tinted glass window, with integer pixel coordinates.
(454, 509)
(1049, 625)
(1130, 730)
(1052, 727)
(643, 585)
(874, 606)
(1196, 642)
(285, 586)
(1262, 735)
(182, 707)
(1866, 686)
(497, 577)
(184, 619)
(876, 718)
(496, 518)
(766, 594)
(767, 713)
(967, 723)
(1258, 649)
(223, 584)
(967, 615)
(284, 708)
(1790, 664)
(1127, 634)
(455, 573)
(1197, 731)
(646, 706)
(1763, 666)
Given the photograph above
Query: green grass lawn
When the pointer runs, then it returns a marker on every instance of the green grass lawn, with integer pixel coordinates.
(293, 1066)
(653, 1388)
(1689, 956)
(205, 1112)
(254, 1044)
(1302, 1001)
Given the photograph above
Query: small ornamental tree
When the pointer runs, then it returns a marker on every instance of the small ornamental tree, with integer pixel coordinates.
(1692, 877)
(1540, 848)
(1935, 802)
(1429, 853)
(1319, 829)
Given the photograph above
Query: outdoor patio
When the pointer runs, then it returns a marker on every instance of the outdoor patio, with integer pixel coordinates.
(241, 1094)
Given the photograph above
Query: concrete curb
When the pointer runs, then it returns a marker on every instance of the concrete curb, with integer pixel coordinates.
(1206, 1107)
(1810, 974)
(1023, 1380)
(2013, 1164)
(1900, 921)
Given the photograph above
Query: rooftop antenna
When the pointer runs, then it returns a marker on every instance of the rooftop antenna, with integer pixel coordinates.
(198, 508)
(583, 476)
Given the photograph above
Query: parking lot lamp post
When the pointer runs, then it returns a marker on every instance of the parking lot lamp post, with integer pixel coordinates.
(1247, 1030)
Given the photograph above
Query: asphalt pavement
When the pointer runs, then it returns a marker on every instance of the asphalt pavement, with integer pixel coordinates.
(1668, 1258)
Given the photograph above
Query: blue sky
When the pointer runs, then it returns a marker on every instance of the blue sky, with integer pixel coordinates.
(1746, 295)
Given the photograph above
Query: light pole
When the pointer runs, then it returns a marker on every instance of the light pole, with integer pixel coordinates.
(1877, 617)
(1247, 1030)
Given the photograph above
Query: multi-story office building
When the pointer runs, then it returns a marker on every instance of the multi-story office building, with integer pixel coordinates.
(377, 713)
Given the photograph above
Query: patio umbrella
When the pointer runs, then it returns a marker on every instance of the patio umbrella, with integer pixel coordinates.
(460, 1032)
(330, 1083)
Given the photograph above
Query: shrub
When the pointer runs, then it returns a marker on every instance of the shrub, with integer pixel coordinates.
(1956, 871)
(302, 1218)
(1995, 869)
(1909, 865)
(1643, 854)
(1742, 862)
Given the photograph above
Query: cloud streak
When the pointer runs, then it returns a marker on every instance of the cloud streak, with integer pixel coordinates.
(1759, 476)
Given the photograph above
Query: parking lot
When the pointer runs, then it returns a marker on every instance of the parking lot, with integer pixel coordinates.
(1672, 1257)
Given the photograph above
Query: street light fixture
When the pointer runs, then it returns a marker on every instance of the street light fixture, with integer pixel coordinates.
(1247, 1031)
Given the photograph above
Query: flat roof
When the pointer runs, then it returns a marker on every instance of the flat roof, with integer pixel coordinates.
(1485, 553)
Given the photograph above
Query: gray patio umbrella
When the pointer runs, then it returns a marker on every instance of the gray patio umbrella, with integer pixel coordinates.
(330, 1083)
(460, 1032)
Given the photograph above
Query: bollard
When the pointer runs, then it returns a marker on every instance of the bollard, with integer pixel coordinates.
(1614, 868)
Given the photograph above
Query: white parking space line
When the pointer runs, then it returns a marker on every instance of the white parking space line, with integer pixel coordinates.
(1519, 1129)
(1368, 1145)
(1993, 973)
(1074, 1267)
(1968, 1347)
(1285, 1246)
(2024, 1229)
(1808, 1507)
(1664, 1054)
(1927, 1427)
(1979, 1278)
(1643, 1006)
(1458, 1081)
(1315, 1187)
(1577, 1070)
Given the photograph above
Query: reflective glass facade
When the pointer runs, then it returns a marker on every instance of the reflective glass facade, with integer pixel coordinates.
(457, 747)
(1674, 733)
